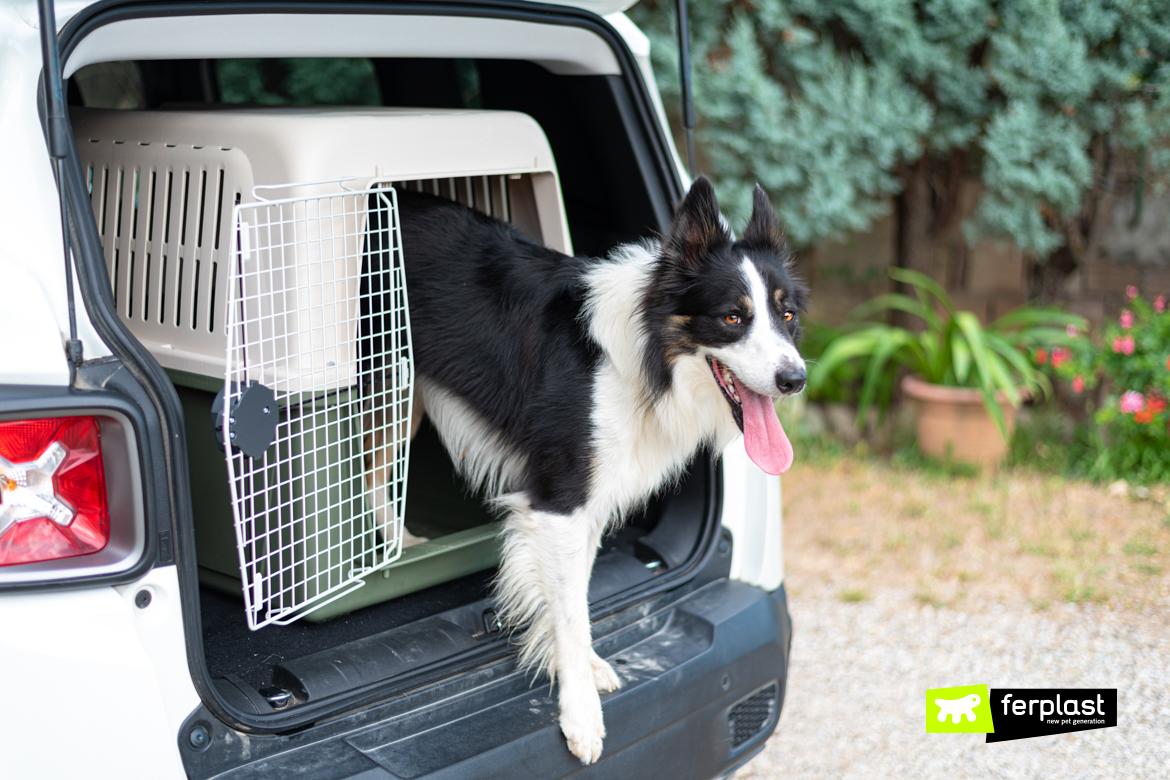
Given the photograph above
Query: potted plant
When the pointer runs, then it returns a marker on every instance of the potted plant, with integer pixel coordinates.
(967, 380)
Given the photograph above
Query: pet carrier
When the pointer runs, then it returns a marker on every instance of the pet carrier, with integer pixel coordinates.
(279, 313)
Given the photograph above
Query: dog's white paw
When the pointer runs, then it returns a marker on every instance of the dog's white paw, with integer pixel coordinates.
(410, 540)
(582, 726)
(604, 677)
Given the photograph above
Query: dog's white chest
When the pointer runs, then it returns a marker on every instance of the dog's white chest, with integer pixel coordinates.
(638, 450)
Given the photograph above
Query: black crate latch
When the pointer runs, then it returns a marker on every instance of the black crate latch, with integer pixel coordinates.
(253, 416)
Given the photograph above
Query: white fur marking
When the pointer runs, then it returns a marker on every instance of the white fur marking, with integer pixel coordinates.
(638, 449)
(756, 358)
(544, 576)
(479, 452)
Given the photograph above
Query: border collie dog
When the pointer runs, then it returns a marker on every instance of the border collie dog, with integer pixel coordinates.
(571, 389)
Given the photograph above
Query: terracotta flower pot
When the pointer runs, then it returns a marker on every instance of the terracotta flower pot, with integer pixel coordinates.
(954, 419)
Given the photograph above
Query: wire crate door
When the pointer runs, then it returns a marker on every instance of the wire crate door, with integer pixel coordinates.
(316, 407)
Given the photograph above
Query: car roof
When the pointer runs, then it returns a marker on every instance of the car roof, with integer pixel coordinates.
(599, 7)
(69, 8)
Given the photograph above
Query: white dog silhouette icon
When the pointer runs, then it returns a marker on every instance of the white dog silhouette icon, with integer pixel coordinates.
(957, 708)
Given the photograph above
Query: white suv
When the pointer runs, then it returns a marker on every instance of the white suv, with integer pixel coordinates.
(123, 638)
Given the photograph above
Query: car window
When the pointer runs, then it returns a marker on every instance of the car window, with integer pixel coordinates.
(111, 85)
(306, 81)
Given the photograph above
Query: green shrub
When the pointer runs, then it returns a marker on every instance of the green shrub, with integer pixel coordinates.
(1128, 363)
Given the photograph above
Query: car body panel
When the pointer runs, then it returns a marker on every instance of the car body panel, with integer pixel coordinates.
(27, 317)
(94, 686)
(30, 214)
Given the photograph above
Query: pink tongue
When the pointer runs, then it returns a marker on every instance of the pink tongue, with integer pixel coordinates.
(763, 436)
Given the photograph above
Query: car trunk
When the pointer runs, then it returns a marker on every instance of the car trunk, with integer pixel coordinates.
(453, 620)
(430, 614)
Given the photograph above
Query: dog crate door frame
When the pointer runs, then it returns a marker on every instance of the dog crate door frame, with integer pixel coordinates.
(317, 315)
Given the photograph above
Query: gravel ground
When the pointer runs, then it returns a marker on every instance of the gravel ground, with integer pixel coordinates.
(856, 706)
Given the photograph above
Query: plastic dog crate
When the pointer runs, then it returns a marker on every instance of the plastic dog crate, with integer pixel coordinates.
(166, 188)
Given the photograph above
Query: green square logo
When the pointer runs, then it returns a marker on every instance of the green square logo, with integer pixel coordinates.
(962, 710)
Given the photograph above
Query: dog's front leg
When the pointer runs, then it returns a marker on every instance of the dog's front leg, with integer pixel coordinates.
(544, 577)
(378, 442)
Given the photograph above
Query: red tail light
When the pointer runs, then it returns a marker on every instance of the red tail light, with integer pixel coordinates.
(52, 490)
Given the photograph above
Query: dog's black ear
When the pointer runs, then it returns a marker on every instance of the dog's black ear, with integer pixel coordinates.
(763, 229)
(697, 228)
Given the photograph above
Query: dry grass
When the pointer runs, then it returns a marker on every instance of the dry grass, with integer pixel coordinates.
(854, 526)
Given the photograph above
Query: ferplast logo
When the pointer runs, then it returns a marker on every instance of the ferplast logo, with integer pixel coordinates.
(1005, 714)
(965, 709)
(1022, 713)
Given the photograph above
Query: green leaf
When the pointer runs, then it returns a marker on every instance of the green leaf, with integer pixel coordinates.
(899, 302)
(961, 360)
(881, 356)
(1029, 376)
(995, 411)
(916, 358)
(1030, 317)
(844, 349)
(923, 282)
(1039, 337)
(1001, 379)
(936, 347)
(990, 379)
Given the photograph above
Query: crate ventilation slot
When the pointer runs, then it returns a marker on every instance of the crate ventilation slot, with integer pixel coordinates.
(510, 198)
(752, 715)
(164, 212)
(317, 321)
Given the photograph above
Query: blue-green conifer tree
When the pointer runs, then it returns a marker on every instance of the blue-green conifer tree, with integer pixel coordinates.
(840, 107)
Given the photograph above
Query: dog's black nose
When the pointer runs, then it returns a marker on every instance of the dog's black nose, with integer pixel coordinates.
(791, 380)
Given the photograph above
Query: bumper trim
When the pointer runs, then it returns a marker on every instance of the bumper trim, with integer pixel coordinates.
(669, 720)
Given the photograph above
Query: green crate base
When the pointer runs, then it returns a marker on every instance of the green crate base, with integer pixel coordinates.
(421, 566)
(462, 533)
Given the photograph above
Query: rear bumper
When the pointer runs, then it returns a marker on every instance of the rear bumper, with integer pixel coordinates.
(677, 725)
(684, 667)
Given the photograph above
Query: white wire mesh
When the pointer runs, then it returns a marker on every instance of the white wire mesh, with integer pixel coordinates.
(317, 312)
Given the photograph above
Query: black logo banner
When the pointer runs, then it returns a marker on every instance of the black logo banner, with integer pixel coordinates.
(1020, 713)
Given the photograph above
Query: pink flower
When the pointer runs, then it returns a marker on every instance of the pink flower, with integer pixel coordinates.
(1132, 402)
(1060, 356)
(1131, 291)
(1079, 384)
(1127, 345)
(1160, 304)
(1072, 331)
(1126, 319)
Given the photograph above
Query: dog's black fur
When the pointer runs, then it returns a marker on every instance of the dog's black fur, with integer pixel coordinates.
(498, 322)
(500, 325)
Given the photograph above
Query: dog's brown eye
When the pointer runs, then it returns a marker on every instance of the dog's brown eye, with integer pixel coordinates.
(731, 319)
(788, 316)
